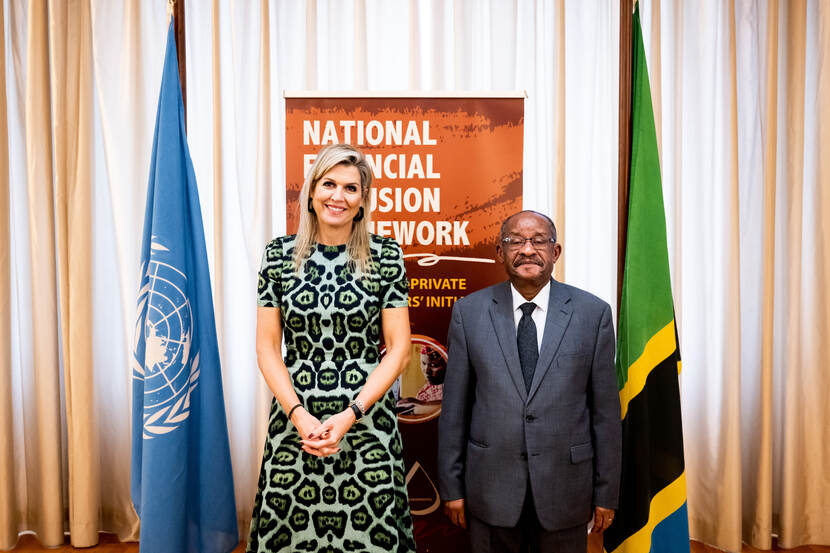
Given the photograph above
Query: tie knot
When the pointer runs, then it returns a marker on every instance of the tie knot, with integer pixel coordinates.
(527, 308)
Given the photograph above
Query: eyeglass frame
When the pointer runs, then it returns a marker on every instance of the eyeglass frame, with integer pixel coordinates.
(507, 242)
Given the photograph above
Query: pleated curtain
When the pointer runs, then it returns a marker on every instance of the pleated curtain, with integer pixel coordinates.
(742, 91)
(79, 94)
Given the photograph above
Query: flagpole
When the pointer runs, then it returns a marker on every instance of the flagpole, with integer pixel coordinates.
(178, 31)
(624, 153)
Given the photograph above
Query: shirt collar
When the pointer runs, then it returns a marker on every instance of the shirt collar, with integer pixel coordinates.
(540, 299)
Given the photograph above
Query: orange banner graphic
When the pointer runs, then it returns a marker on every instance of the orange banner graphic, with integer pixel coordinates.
(447, 172)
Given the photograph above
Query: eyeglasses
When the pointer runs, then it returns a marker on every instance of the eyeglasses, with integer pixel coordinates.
(517, 243)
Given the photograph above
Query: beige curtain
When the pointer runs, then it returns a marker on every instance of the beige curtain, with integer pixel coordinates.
(57, 112)
(42, 450)
(743, 108)
(805, 244)
(78, 79)
(70, 49)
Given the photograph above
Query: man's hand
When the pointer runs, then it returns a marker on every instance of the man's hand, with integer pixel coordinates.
(602, 519)
(455, 510)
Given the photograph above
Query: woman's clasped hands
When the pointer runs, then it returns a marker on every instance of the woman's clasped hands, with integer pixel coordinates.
(324, 438)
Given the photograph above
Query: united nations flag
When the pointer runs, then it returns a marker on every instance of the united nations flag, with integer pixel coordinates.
(182, 485)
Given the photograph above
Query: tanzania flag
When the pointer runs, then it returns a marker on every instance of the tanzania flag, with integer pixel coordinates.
(652, 516)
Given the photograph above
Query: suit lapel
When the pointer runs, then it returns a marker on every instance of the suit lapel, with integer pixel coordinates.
(501, 313)
(557, 319)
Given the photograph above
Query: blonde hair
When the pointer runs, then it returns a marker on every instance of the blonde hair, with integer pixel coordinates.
(358, 244)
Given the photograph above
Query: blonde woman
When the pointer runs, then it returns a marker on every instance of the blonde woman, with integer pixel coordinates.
(332, 476)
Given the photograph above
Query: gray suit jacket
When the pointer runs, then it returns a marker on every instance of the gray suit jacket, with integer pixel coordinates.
(563, 437)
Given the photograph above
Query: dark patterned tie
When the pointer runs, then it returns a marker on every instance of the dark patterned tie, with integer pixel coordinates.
(528, 343)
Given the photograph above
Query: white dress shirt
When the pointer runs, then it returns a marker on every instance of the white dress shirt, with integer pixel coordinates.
(539, 314)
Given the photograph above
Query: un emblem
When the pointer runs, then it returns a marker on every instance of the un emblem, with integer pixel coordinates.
(163, 334)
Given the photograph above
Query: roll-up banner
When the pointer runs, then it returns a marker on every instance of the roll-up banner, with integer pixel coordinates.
(447, 171)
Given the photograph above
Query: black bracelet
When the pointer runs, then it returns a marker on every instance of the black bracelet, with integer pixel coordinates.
(358, 414)
(291, 412)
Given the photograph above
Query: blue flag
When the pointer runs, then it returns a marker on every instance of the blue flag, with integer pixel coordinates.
(182, 485)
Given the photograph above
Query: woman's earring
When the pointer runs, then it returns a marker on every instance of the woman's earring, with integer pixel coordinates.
(310, 207)
(359, 216)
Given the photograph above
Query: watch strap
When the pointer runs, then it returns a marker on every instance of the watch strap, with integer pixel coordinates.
(358, 414)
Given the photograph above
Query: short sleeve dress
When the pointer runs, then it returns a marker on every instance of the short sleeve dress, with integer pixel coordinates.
(355, 500)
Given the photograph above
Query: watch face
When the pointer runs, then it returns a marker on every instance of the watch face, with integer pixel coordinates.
(420, 388)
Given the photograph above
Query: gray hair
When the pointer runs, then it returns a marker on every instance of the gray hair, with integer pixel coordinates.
(542, 215)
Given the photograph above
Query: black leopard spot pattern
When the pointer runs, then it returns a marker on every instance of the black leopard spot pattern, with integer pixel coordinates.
(355, 500)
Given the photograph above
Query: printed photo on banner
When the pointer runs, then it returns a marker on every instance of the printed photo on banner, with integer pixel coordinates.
(419, 390)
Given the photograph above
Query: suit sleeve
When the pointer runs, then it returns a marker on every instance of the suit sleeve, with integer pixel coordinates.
(606, 427)
(454, 422)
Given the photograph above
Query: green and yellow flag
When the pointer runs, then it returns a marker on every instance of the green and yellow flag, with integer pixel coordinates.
(652, 516)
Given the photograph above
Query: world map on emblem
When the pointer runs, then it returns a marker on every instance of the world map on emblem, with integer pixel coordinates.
(163, 357)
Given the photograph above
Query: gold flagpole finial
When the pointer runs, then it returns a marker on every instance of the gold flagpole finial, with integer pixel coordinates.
(170, 9)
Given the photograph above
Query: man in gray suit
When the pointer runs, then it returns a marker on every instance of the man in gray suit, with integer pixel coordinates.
(529, 435)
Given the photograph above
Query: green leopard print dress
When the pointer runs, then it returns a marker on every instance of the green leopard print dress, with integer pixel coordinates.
(355, 500)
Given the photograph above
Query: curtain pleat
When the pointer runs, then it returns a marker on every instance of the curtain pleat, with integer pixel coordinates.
(710, 330)
(233, 145)
(758, 454)
(269, 169)
(585, 129)
(128, 40)
(8, 508)
(559, 128)
(218, 92)
(71, 78)
(805, 506)
(793, 347)
(43, 431)
(741, 116)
